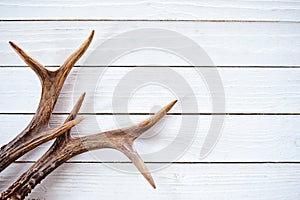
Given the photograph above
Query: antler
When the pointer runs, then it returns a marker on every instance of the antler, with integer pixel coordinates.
(37, 131)
(66, 147)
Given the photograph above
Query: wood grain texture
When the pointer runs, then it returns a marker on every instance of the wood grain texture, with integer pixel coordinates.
(251, 39)
(178, 181)
(247, 90)
(249, 138)
(226, 43)
(282, 10)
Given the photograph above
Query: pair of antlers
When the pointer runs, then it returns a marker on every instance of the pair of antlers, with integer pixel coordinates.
(65, 146)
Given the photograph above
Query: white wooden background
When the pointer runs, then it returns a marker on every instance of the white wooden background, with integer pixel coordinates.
(256, 46)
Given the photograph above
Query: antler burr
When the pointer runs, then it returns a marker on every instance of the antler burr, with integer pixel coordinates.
(37, 131)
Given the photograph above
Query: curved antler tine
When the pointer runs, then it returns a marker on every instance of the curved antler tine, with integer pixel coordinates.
(37, 67)
(132, 154)
(74, 112)
(134, 132)
(137, 130)
(76, 108)
(74, 57)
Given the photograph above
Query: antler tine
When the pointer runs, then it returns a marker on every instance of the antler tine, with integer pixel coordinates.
(132, 154)
(74, 57)
(37, 67)
(18, 147)
(133, 133)
(76, 108)
(139, 129)
(72, 116)
(36, 132)
(65, 148)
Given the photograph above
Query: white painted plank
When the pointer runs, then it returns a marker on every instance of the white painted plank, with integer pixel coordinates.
(248, 138)
(247, 90)
(226, 44)
(178, 181)
(151, 10)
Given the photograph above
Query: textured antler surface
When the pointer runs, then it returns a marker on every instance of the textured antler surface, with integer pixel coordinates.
(66, 147)
(37, 131)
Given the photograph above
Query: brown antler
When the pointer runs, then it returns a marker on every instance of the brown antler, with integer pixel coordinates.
(66, 147)
(37, 131)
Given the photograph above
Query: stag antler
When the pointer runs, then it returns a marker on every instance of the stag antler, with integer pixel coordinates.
(37, 131)
(66, 147)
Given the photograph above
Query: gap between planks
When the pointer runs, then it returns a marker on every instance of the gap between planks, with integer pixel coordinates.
(149, 162)
(126, 66)
(150, 20)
